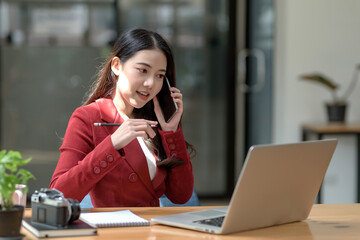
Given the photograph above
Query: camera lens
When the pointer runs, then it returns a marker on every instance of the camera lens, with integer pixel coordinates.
(75, 209)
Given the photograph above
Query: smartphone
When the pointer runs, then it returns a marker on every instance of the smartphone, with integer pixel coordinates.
(167, 104)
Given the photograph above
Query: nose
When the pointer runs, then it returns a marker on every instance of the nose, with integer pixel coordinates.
(149, 82)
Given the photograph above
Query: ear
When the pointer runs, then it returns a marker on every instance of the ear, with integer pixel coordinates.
(116, 66)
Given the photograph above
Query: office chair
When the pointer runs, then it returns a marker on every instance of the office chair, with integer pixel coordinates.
(86, 202)
(193, 201)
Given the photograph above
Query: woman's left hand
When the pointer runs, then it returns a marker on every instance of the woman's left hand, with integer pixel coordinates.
(173, 124)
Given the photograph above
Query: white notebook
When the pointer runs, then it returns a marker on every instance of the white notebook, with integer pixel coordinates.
(123, 218)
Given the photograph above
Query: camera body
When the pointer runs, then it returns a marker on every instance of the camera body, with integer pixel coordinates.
(49, 206)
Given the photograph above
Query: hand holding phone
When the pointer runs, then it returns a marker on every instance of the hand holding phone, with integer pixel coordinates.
(167, 104)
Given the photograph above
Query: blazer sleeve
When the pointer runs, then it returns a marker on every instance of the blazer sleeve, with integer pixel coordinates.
(180, 180)
(82, 164)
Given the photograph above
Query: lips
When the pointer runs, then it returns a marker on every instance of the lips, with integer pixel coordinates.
(143, 95)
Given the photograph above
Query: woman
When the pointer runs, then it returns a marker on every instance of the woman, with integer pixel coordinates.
(145, 157)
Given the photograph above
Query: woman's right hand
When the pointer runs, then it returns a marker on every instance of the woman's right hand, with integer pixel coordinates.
(131, 129)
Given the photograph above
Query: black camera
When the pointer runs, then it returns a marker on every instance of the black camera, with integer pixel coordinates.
(49, 206)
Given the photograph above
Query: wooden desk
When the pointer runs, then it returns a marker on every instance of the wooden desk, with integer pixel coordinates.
(321, 129)
(326, 221)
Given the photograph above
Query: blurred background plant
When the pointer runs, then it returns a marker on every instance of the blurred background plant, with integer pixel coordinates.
(10, 175)
(333, 86)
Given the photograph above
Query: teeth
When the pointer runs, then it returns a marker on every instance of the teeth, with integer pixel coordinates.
(144, 94)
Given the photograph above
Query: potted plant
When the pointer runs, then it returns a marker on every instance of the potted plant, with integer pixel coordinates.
(336, 108)
(11, 175)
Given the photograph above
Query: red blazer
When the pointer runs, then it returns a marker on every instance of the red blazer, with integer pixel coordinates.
(90, 164)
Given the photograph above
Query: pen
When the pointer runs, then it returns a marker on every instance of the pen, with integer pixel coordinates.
(107, 124)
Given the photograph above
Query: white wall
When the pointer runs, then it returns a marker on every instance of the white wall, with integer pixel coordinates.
(323, 36)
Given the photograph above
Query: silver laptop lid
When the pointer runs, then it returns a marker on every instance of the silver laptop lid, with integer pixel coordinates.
(278, 184)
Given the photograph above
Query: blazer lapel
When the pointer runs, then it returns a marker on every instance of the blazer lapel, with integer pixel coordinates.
(107, 109)
(109, 114)
(136, 159)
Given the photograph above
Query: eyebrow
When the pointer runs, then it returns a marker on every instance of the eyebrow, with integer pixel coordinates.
(148, 65)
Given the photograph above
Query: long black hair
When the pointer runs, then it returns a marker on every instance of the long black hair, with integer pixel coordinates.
(126, 46)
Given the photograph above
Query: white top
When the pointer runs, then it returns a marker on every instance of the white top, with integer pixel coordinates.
(150, 158)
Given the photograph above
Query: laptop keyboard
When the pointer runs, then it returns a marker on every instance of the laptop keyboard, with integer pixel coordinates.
(212, 221)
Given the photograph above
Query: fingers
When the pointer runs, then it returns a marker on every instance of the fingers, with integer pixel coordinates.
(131, 129)
(142, 128)
(145, 131)
(175, 93)
(177, 96)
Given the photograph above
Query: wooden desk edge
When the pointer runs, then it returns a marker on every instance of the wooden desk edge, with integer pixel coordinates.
(328, 128)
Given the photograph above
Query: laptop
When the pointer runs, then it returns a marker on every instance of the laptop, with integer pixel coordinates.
(278, 184)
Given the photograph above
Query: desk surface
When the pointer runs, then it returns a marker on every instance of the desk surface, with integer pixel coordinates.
(326, 221)
(332, 127)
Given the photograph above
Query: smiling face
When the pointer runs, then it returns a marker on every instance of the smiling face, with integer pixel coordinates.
(139, 79)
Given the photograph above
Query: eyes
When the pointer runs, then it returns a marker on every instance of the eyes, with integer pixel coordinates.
(142, 70)
(145, 71)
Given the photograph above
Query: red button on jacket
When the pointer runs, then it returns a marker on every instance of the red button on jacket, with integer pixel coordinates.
(133, 177)
(103, 164)
(110, 158)
(96, 170)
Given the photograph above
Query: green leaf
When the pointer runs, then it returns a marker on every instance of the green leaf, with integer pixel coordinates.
(24, 176)
(11, 174)
(319, 78)
(14, 154)
(2, 154)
